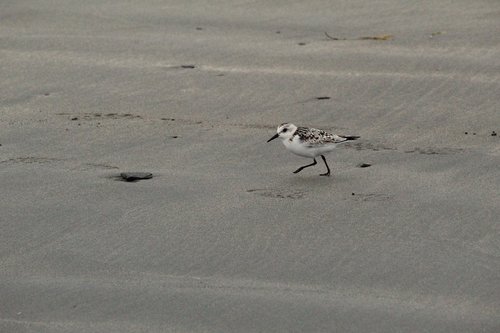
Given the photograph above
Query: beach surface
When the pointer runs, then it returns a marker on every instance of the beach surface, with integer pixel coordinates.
(224, 237)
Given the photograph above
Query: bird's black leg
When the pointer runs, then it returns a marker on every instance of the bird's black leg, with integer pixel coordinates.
(305, 166)
(328, 172)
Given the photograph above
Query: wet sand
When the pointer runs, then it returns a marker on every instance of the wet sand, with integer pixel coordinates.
(224, 238)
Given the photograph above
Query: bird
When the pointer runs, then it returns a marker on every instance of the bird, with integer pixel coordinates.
(309, 142)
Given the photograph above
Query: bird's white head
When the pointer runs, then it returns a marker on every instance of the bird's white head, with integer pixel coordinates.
(285, 131)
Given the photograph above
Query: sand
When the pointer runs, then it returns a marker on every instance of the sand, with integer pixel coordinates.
(224, 238)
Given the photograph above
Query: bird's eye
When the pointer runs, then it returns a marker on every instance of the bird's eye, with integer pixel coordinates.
(284, 130)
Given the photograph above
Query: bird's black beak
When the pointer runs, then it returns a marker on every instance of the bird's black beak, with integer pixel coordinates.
(274, 137)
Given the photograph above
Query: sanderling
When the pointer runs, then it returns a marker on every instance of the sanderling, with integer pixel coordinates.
(309, 142)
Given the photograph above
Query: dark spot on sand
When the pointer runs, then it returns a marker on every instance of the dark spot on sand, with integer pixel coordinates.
(135, 176)
(364, 165)
(174, 136)
(380, 37)
(302, 43)
(74, 118)
(188, 66)
(466, 133)
(493, 133)
(322, 97)
(437, 33)
(473, 133)
(333, 38)
(46, 94)
(199, 28)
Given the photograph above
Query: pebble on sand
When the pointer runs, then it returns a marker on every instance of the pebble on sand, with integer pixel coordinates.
(135, 176)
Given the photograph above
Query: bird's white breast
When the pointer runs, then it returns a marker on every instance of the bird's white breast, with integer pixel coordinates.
(300, 148)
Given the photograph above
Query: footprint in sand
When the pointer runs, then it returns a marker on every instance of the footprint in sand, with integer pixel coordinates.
(276, 193)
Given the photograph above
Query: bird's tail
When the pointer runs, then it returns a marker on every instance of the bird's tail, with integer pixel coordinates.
(350, 137)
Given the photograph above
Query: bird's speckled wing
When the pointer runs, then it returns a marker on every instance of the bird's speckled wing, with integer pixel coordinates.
(315, 137)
